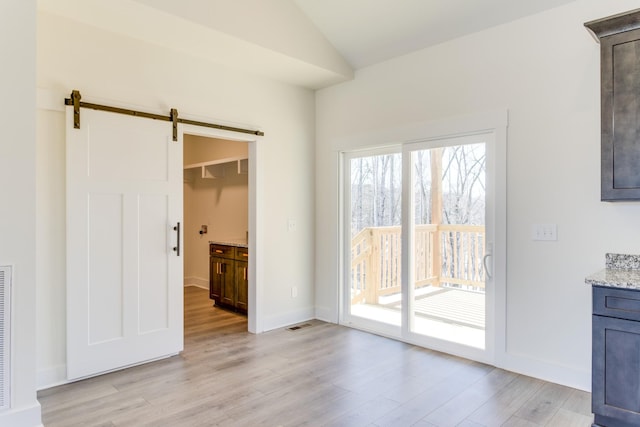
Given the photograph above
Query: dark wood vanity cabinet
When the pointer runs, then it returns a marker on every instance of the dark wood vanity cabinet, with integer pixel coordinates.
(615, 395)
(619, 38)
(242, 279)
(215, 281)
(228, 276)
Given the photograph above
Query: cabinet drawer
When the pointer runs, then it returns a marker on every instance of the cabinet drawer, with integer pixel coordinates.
(618, 303)
(242, 254)
(221, 250)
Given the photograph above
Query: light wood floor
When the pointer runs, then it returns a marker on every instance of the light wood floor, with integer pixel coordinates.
(318, 375)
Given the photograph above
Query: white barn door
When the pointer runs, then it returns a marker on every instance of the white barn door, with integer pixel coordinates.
(124, 276)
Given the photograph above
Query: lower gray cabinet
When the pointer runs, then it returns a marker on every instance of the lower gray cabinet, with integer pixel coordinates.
(616, 357)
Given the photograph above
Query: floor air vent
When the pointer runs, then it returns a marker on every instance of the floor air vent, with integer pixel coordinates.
(5, 334)
(295, 328)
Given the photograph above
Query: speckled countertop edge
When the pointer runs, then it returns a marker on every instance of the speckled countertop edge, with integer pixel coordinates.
(622, 271)
(230, 242)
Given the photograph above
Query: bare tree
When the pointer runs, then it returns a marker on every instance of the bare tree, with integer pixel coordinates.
(376, 187)
(464, 178)
(464, 201)
(448, 187)
(376, 191)
(423, 187)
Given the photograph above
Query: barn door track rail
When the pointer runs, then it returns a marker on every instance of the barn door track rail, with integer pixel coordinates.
(74, 100)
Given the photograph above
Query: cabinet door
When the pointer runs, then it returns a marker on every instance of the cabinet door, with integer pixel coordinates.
(227, 277)
(620, 127)
(215, 279)
(242, 285)
(616, 369)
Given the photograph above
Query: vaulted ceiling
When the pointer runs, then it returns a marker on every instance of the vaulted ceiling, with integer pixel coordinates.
(366, 32)
(311, 43)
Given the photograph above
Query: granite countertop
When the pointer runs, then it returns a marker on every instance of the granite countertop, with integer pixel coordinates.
(622, 271)
(238, 243)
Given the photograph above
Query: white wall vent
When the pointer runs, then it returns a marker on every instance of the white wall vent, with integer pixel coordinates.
(5, 335)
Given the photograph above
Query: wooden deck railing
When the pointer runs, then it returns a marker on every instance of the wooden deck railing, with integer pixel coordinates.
(444, 254)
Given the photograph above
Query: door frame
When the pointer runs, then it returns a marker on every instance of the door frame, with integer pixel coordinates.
(255, 313)
(396, 137)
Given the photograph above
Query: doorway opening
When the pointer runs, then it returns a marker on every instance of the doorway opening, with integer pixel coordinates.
(216, 224)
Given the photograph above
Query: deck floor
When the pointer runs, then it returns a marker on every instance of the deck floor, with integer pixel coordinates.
(444, 313)
(451, 305)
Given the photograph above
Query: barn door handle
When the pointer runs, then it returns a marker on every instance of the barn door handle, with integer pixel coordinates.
(177, 248)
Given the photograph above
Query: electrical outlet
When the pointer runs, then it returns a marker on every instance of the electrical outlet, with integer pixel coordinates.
(294, 291)
(547, 232)
(291, 225)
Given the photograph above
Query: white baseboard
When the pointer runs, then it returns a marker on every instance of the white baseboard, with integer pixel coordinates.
(567, 376)
(196, 281)
(288, 319)
(326, 315)
(26, 416)
(52, 377)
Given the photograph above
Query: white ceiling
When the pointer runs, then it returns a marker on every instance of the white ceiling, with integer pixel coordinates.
(309, 43)
(366, 32)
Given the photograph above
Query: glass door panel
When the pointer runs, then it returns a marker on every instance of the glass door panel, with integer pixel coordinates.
(374, 189)
(447, 289)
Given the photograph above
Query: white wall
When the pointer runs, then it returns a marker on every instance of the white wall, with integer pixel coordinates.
(545, 70)
(112, 68)
(220, 203)
(18, 207)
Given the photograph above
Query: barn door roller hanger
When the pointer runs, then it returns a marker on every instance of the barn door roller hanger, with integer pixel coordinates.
(74, 100)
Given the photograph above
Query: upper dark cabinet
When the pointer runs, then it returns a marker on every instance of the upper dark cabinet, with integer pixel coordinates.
(619, 38)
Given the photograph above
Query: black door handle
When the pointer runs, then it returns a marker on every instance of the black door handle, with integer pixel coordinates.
(177, 248)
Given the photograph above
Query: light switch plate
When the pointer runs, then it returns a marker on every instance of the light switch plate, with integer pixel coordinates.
(547, 232)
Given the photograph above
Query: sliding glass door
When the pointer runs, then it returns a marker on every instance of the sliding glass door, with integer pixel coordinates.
(374, 239)
(448, 239)
(418, 227)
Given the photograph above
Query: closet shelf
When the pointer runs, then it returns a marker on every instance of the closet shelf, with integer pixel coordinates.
(215, 168)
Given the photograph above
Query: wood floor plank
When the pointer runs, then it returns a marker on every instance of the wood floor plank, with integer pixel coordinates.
(465, 403)
(422, 423)
(506, 402)
(566, 418)
(364, 414)
(578, 402)
(94, 412)
(544, 404)
(68, 396)
(469, 423)
(516, 421)
(436, 395)
(319, 375)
